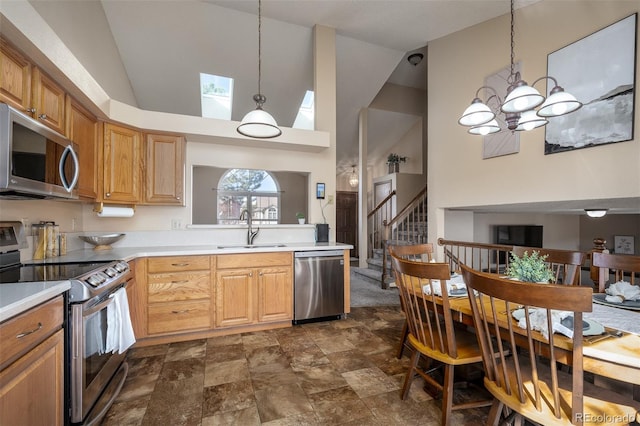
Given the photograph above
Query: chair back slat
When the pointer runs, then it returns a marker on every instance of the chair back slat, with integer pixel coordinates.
(522, 374)
(435, 331)
(624, 267)
(565, 264)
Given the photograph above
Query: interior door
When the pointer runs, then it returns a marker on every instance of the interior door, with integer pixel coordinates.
(347, 219)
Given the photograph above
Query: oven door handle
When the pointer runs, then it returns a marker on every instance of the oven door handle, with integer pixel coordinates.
(97, 308)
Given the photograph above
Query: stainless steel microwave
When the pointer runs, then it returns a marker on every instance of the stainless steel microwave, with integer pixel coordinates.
(35, 161)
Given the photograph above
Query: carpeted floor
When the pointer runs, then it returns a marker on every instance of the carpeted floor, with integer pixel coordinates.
(364, 293)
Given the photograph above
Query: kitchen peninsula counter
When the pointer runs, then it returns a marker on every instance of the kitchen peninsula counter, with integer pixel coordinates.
(131, 253)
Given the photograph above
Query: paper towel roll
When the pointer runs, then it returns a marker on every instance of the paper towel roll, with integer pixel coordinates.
(116, 212)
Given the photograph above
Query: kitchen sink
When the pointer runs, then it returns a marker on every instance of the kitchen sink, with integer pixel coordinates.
(251, 246)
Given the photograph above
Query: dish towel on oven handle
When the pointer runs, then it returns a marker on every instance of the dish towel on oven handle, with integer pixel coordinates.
(120, 334)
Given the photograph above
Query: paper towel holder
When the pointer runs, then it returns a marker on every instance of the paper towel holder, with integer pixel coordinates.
(99, 209)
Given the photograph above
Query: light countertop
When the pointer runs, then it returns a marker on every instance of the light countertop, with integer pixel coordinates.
(130, 253)
(20, 297)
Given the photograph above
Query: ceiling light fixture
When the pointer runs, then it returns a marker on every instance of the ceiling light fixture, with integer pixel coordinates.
(596, 212)
(415, 58)
(259, 123)
(519, 105)
(353, 177)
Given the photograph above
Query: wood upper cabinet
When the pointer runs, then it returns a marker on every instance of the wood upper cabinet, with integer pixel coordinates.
(83, 129)
(29, 90)
(48, 100)
(15, 78)
(164, 169)
(123, 163)
(32, 384)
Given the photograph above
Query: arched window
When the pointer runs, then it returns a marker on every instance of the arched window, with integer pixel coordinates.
(255, 191)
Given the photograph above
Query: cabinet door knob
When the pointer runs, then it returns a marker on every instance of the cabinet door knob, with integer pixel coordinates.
(30, 110)
(42, 116)
(108, 194)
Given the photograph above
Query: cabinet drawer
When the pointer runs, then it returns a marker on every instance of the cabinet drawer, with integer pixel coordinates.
(179, 286)
(255, 260)
(18, 335)
(177, 263)
(175, 317)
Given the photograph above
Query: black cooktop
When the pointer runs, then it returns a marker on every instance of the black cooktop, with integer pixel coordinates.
(47, 272)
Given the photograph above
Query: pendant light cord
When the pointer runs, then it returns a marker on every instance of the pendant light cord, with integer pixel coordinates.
(260, 44)
(513, 46)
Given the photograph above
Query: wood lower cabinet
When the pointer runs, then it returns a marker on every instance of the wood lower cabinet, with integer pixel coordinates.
(260, 293)
(164, 170)
(186, 297)
(178, 291)
(235, 297)
(32, 386)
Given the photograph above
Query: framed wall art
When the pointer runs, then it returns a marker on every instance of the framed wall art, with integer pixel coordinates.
(623, 244)
(599, 70)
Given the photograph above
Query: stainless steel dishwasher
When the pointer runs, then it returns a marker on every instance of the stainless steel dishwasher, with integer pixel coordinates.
(318, 285)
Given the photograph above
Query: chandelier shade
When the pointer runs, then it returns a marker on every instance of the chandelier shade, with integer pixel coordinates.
(559, 103)
(477, 113)
(522, 98)
(529, 120)
(518, 110)
(486, 128)
(259, 123)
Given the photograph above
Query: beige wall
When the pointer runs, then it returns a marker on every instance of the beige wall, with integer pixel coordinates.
(458, 65)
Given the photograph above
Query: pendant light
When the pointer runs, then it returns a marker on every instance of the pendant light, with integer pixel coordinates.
(353, 177)
(259, 123)
(519, 105)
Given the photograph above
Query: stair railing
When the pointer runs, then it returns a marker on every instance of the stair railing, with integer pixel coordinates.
(407, 227)
(375, 223)
(479, 256)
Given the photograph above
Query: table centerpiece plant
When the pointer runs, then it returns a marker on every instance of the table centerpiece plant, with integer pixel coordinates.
(300, 217)
(530, 268)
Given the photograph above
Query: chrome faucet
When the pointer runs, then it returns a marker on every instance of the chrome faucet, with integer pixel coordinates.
(251, 234)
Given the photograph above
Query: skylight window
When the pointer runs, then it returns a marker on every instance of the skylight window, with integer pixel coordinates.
(306, 113)
(216, 94)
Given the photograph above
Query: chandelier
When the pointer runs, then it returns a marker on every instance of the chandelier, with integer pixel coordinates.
(519, 106)
(259, 123)
(353, 177)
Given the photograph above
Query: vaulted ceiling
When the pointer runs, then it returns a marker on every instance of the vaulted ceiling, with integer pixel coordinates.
(165, 45)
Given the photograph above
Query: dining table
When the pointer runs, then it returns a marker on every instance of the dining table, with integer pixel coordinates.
(615, 354)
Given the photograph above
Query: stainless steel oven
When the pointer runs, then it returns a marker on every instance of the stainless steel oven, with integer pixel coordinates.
(94, 373)
(97, 372)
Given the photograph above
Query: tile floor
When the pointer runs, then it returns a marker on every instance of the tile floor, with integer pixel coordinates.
(329, 373)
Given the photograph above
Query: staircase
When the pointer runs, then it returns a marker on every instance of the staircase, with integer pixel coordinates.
(407, 227)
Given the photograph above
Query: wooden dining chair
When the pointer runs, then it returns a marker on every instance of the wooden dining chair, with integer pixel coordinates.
(565, 264)
(624, 267)
(420, 253)
(524, 383)
(432, 333)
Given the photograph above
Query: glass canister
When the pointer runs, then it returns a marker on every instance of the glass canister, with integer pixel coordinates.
(39, 230)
